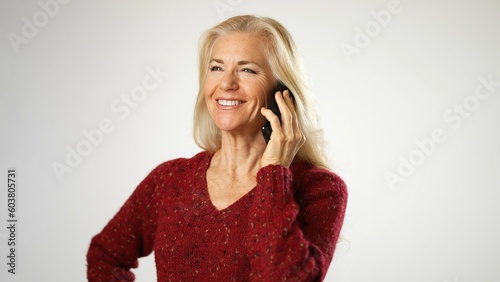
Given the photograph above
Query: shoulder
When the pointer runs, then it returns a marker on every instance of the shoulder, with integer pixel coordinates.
(309, 179)
(170, 172)
(183, 165)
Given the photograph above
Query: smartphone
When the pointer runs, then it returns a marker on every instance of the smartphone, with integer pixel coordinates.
(273, 106)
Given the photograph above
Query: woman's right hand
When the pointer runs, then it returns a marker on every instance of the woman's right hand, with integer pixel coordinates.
(286, 138)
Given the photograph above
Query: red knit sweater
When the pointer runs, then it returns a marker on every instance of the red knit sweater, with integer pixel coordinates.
(285, 228)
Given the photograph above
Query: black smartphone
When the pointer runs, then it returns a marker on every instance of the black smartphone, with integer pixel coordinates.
(273, 106)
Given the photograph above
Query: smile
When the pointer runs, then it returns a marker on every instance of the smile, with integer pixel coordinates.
(229, 103)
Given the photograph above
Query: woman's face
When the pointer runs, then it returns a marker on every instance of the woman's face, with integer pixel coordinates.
(238, 82)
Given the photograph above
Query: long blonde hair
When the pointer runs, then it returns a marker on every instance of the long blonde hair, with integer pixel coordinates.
(286, 65)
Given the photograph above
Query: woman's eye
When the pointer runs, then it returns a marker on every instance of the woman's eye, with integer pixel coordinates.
(249, 70)
(215, 68)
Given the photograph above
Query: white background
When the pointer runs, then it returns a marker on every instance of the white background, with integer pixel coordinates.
(439, 224)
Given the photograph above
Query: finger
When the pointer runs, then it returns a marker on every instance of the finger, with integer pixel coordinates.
(273, 120)
(291, 106)
(296, 124)
(291, 126)
(286, 114)
(281, 101)
(289, 101)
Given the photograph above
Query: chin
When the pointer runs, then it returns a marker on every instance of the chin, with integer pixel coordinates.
(234, 124)
(227, 127)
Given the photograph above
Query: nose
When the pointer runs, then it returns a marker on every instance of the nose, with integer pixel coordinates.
(229, 81)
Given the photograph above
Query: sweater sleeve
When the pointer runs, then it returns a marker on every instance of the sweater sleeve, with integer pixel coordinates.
(294, 240)
(128, 235)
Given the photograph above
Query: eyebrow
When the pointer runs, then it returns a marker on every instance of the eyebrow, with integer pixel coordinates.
(239, 63)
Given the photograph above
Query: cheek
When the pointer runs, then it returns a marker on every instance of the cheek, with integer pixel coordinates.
(209, 88)
(264, 97)
(265, 90)
(268, 94)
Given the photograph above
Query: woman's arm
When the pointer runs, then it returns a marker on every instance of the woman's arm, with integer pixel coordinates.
(293, 240)
(128, 235)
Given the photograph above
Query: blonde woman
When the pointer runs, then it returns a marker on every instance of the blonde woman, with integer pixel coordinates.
(242, 209)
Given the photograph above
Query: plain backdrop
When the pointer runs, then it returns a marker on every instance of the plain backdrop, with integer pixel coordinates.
(408, 93)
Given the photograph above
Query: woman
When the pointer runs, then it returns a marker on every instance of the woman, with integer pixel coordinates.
(243, 209)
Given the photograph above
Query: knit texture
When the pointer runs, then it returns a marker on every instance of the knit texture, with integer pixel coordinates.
(284, 229)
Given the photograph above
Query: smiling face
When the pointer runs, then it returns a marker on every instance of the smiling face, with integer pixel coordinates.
(238, 82)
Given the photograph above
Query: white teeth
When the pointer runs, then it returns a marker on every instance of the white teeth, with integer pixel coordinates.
(228, 103)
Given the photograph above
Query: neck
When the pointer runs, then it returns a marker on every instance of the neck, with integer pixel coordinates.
(239, 155)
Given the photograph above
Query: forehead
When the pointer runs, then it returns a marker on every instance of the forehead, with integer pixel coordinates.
(244, 45)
